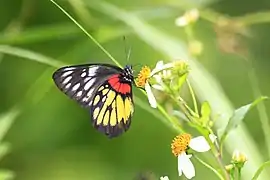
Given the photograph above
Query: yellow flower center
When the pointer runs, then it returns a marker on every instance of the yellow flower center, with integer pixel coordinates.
(143, 76)
(180, 143)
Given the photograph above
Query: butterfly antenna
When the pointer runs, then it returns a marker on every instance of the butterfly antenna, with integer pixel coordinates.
(127, 51)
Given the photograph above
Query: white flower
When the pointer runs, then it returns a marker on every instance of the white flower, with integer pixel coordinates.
(158, 73)
(161, 71)
(179, 146)
(151, 98)
(164, 178)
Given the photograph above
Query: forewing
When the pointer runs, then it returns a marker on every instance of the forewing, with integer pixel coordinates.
(80, 82)
(112, 108)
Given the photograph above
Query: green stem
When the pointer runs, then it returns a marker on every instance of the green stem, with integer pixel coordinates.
(168, 117)
(259, 171)
(171, 120)
(210, 167)
(239, 173)
(215, 151)
(193, 97)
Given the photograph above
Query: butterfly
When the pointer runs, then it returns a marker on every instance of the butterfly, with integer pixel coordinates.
(104, 89)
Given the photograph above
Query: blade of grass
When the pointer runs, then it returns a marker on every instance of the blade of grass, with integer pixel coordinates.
(261, 108)
(40, 34)
(29, 55)
(6, 120)
(260, 170)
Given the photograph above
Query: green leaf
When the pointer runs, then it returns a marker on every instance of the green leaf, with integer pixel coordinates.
(180, 115)
(178, 82)
(29, 55)
(261, 168)
(205, 113)
(6, 120)
(6, 174)
(238, 116)
(181, 80)
(40, 34)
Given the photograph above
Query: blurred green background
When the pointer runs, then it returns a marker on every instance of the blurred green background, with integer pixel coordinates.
(45, 135)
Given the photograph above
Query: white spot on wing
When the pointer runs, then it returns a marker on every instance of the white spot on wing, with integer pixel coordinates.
(67, 79)
(76, 86)
(87, 79)
(90, 102)
(92, 71)
(68, 85)
(104, 98)
(89, 84)
(67, 73)
(83, 74)
(85, 99)
(79, 93)
(89, 94)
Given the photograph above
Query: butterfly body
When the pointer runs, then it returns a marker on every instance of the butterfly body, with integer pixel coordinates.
(104, 89)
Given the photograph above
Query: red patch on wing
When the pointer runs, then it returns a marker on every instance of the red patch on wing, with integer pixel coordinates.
(115, 83)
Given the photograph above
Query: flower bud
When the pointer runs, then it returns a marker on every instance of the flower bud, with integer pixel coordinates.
(229, 167)
(238, 157)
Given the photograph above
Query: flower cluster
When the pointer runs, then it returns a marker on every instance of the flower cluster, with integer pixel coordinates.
(163, 78)
(168, 79)
(159, 78)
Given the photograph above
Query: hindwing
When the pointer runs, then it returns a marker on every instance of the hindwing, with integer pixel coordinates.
(112, 107)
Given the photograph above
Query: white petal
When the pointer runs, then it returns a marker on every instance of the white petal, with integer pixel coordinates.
(164, 178)
(158, 78)
(180, 163)
(185, 166)
(158, 87)
(150, 95)
(199, 144)
(159, 66)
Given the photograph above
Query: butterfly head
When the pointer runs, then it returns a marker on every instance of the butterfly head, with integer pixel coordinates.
(127, 74)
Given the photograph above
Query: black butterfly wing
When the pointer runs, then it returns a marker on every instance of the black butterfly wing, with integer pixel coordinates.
(80, 82)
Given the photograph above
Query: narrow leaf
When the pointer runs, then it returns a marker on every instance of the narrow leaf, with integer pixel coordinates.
(259, 171)
(205, 113)
(40, 34)
(238, 116)
(29, 55)
(6, 120)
